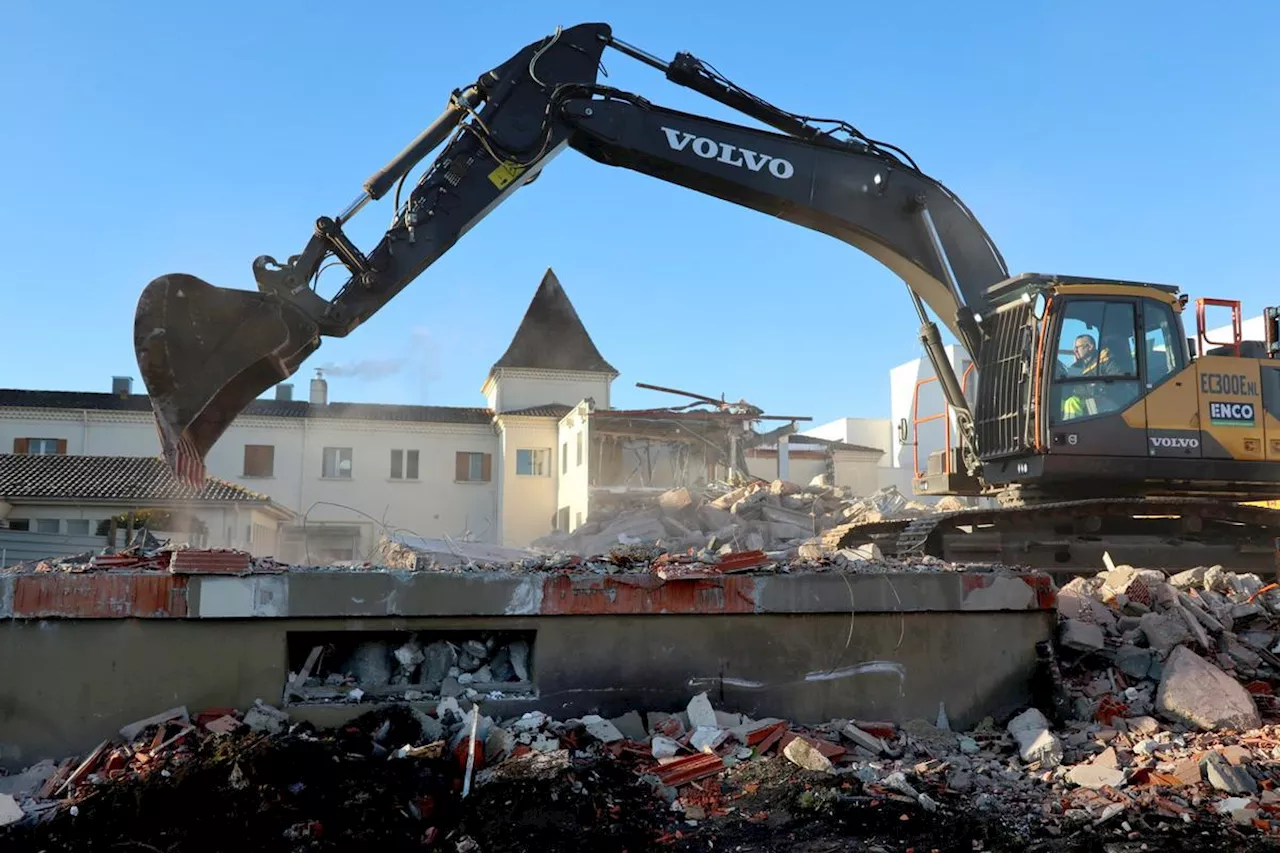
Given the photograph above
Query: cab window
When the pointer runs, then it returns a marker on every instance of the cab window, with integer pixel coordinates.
(1163, 344)
(1096, 369)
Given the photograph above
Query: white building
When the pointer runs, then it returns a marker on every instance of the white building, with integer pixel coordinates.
(77, 497)
(505, 473)
(914, 429)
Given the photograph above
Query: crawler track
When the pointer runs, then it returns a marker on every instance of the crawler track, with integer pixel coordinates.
(1070, 537)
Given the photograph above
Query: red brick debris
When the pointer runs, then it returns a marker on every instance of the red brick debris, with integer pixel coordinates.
(915, 770)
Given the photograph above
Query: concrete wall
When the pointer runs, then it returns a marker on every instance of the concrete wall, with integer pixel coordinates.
(864, 432)
(528, 502)
(760, 645)
(573, 489)
(764, 464)
(509, 389)
(857, 471)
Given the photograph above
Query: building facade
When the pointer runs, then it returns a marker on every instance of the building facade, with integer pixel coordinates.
(72, 503)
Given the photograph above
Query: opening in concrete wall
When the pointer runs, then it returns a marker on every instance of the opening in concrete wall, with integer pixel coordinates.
(358, 666)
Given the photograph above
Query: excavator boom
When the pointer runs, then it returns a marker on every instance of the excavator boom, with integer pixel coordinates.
(205, 353)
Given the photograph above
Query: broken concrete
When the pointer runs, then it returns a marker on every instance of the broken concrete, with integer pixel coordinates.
(1196, 693)
(1035, 742)
(1081, 636)
(1223, 776)
(1095, 775)
(1164, 631)
(601, 729)
(701, 714)
(803, 754)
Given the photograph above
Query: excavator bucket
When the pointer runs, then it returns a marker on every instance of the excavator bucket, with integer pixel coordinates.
(205, 353)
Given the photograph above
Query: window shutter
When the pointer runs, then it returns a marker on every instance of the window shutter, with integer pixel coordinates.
(259, 460)
(20, 446)
(411, 465)
(62, 447)
(486, 467)
(461, 467)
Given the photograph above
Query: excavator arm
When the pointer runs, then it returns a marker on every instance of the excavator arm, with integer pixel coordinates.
(205, 353)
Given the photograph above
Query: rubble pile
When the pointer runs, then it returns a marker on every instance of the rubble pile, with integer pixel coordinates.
(492, 665)
(461, 778)
(1165, 684)
(780, 518)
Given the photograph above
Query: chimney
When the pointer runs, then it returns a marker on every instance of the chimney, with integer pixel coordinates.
(319, 390)
(121, 386)
(284, 391)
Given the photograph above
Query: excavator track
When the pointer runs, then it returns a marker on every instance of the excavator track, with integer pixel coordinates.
(1069, 537)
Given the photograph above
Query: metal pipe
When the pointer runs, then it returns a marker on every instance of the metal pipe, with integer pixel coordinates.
(635, 53)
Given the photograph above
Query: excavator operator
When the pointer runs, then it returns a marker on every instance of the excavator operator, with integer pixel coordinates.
(1090, 361)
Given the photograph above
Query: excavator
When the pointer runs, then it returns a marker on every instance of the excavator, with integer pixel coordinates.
(1088, 424)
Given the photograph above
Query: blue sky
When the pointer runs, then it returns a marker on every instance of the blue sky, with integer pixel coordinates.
(1125, 140)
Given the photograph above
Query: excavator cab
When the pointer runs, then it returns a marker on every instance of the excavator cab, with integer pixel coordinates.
(1085, 384)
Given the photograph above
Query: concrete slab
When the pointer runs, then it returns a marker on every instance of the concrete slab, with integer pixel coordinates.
(412, 594)
(6, 597)
(263, 596)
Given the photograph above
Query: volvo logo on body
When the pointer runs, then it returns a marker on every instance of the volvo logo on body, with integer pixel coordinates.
(1165, 441)
(723, 152)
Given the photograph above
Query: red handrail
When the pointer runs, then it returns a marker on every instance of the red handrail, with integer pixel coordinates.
(916, 420)
(1237, 326)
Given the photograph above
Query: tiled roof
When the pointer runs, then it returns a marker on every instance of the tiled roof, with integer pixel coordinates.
(551, 335)
(269, 408)
(552, 411)
(126, 478)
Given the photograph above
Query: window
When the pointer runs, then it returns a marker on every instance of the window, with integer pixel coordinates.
(40, 446)
(533, 463)
(1096, 372)
(259, 460)
(404, 464)
(1163, 345)
(564, 458)
(579, 450)
(47, 525)
(337, 463)
(473, 467)
(78, 526)
(19, 524)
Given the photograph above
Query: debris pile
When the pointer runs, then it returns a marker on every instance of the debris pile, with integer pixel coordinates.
(1196, 650)
(490, 664)
(460, 778)
(781, 518)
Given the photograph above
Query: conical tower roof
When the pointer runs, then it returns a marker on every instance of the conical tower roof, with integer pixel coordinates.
(551, 335)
